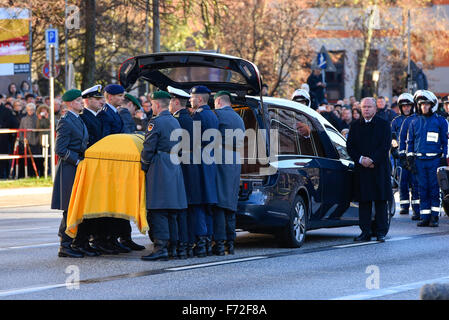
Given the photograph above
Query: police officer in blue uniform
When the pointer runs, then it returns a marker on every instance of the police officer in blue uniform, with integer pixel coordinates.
(165, 190)
(232, 131)
(427, 150)
(191, 172)
(203, 119)
(112, 123)
(71, 142)
(407, 178)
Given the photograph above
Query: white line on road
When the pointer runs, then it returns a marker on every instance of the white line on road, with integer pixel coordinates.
(6, 293)
(202, 265)
(49, 244)
(26, 229)
(376, 293)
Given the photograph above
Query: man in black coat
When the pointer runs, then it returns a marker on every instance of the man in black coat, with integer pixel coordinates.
(368, 144)
(7, 121)
(317, 88)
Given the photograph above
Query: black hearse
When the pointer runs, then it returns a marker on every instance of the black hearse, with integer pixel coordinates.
(296, 173)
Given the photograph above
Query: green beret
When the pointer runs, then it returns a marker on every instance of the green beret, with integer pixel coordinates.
(222, 93)
(133, 100)
(71, 95)
(160, 95)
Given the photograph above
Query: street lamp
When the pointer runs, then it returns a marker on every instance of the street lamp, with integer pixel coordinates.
(376, 75)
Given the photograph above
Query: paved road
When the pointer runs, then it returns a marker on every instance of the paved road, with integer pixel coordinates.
(328, 266)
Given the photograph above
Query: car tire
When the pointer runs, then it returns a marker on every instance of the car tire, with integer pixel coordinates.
(294, 234)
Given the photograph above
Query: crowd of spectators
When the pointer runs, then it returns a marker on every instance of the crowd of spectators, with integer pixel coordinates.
(25, 108)
(344, 112)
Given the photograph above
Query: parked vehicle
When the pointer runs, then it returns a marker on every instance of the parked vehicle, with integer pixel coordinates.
(296, 174)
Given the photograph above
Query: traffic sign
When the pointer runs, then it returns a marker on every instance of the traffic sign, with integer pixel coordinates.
(51, 38)
(46, 70)
(324, 61)
(321, 60)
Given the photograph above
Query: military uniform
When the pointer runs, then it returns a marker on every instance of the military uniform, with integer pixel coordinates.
(203, 215)
(112, 123)
(165, 190)
(71, 142)
(191, 173)
(228, 177)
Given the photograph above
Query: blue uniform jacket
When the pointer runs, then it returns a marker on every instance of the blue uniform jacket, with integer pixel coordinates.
(164, 179)
(71, 142)
(208, 186)
(129, 126)
(228, 172)
(427, 137)
(191, 171)
(111, 121)
(93, 125)
(396, 126)
(403, 133)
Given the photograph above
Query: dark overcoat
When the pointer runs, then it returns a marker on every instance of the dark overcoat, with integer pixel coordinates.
(129, 126)
(373, 140)
(191, 171)
(228, 174)
(110, 120)
(164, 179)
(93, 125)
(7, 120)
(71, 142)
(208, 185)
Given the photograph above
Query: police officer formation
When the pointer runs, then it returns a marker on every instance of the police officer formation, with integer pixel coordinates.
(190, 206)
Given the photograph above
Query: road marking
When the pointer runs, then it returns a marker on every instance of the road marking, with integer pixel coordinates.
(6, 293)
(25, 229)
(203, 265)
(392, 290)
(49, 244)
(355, 244)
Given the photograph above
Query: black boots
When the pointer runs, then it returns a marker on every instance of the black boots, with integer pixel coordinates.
(172, 250)
(160, 251)
(403, 211)
(432, 222)
(209, 248)
(219, 248)
(230, 246)
(128, 242)
(66, 250)
(182, 250)
(200, 248)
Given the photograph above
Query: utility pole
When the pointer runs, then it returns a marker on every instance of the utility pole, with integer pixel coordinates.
(52, 110)
(66, 52)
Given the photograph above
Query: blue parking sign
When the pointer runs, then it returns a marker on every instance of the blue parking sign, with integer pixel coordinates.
(51, 38)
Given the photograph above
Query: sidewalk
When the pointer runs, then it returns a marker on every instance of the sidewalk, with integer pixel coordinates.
(20, 197)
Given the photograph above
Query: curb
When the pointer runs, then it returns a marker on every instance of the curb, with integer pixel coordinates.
(20, 197)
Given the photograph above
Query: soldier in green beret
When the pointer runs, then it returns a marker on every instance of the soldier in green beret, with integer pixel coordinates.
(71, 142)
(165, 190)
(127, 111)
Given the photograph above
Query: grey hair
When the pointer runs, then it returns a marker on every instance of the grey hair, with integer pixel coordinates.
(369, 98)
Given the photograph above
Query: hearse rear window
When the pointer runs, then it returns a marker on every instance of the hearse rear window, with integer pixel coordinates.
(203, 74)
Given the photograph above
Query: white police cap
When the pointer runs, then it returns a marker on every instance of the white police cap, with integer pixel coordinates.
(94, 91)
(177, 93)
